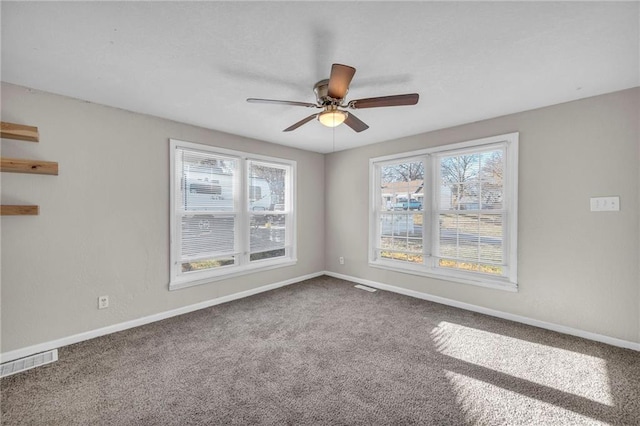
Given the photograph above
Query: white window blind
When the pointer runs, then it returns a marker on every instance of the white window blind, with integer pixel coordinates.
(230, 214)
(448, 212)
(207, 208)
(471, 217)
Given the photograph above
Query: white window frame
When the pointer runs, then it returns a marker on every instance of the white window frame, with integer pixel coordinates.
(178, 279)
(430, 267)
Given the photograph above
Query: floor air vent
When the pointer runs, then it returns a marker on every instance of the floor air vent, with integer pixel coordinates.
(362, 287)
(23, 364)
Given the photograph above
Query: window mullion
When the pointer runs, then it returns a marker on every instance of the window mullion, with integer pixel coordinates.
(427, 215)
(377, 208)
(375, 236)
(289, 230)
(176, 219)
(436, 180)
(244, 216)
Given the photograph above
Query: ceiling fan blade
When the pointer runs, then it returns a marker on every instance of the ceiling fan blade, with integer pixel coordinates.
(300, 123)
(274, 101)
(339, 80)
(385, 101)
(355, 123)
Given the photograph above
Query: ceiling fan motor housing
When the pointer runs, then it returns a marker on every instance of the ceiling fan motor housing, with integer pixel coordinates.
(321, 89)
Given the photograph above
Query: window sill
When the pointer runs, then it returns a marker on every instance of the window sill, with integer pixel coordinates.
(498, 283)
(199, 279)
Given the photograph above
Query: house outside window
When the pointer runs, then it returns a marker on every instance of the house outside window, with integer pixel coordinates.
(448, 212)
(231, 213)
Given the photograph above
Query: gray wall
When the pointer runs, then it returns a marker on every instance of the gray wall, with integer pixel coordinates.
(576, 268)
(103, 227)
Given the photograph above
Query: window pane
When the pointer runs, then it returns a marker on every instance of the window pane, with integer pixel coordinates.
(468, 248)
(491, 195)
(448, 196)
(267, 198)
(206, 181)
(267, 254)
(491, 238)
(471, 182)
(402, 239)
(267, 186)
(492, 168)
(401, 186)
(414, 245)
(461, 169)
(204, 235)
(400, 243)
(386, 224)
(385, 202)
(202, 265)
(403, 257)
(417, 226)
(266, 233)
(470, 196)
(401, 225)
(402, 194)
(459, 236)
(471, 239)
(448, 235)
(472, 266)
(491, 225)
(386, 243)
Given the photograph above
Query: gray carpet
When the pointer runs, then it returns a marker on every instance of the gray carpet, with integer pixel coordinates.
(323, 352)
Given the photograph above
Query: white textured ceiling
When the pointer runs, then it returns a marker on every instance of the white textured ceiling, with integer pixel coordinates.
(197, 62)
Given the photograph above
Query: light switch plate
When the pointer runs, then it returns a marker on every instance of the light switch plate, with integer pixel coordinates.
(605, 204)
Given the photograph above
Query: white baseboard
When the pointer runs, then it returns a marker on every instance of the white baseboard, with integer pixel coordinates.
(499, 314)
(76, 338)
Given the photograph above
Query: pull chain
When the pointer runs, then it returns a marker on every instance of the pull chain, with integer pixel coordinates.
(334, 140)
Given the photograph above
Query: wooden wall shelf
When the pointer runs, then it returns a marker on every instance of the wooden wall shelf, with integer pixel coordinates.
(19, 131)
(19, 210)
(17, 165)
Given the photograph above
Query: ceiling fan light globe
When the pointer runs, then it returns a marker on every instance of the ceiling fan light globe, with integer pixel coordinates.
(332, 118)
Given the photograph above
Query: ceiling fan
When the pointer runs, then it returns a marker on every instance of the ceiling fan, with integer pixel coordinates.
(330, 96)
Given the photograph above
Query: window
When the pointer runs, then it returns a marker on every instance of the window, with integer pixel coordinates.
(449, 212)
(231, 213)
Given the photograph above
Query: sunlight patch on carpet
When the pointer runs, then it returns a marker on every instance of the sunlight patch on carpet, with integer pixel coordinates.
(480, 401)
(564, 370)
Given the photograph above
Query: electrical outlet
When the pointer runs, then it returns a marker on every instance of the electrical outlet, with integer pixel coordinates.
(341, 259)
(103, 302)
(603, 204)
